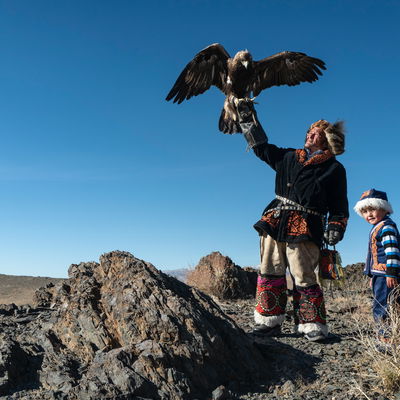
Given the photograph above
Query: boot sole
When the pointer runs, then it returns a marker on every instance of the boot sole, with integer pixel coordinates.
(315, 338)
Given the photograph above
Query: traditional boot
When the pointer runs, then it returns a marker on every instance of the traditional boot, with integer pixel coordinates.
(312, 314)
(271, 301)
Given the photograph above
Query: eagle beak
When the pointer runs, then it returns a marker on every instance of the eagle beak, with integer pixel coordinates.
(245, 63)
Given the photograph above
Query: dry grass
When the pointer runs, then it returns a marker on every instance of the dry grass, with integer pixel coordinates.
(352, 297)
(385, 357)
(382, 358)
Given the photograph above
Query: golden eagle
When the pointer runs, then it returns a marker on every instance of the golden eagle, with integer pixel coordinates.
(240, 76)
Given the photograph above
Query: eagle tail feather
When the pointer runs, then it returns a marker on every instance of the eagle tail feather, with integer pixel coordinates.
(228, 125)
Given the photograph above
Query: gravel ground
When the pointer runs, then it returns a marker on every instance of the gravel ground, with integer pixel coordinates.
(329, 370)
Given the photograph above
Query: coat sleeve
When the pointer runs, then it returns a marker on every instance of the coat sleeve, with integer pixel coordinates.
(389, 240)
(338, 205)
(271, 154)
(256, 137)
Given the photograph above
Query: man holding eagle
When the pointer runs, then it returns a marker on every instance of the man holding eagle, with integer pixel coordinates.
(310, 186)
(310, 206)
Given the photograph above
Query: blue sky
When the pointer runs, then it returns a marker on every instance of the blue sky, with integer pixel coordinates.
(93, 159)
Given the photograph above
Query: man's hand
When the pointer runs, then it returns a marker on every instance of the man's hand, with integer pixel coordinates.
(246, 110)
(252, 130)
(391, 282)
(332, 237)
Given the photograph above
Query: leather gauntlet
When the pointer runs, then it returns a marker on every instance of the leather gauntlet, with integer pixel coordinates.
(249, 124)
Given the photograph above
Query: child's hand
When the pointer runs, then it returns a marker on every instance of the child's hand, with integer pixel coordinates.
(391, 282)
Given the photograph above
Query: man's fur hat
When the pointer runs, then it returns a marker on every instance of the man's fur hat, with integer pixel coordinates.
(334, 135)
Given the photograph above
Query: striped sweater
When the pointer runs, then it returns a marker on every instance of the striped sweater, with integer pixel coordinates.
(383, 251)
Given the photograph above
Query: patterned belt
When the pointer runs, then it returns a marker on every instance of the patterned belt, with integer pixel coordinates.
(291, 206)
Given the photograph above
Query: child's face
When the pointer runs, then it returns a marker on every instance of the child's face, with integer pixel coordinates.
(373, 215)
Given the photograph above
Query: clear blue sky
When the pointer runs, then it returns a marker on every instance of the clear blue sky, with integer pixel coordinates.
(93, 159)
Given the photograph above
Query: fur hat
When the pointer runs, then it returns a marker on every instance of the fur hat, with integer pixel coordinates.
(375, 199)
(334, 135)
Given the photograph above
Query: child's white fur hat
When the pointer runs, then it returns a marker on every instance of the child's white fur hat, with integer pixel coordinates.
(375, 199)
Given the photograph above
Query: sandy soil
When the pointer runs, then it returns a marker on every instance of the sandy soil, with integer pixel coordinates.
(20, 289)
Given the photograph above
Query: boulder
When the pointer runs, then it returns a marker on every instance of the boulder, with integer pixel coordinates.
(219, 276)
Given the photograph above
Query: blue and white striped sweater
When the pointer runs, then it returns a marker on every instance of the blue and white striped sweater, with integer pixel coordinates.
(383, 251)
(389, 240)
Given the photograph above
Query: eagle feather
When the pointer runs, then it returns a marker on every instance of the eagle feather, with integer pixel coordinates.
(240, 76)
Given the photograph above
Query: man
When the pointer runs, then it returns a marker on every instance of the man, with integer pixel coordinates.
(311, 202)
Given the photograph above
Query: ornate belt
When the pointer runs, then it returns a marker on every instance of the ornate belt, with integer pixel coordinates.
(291, 206)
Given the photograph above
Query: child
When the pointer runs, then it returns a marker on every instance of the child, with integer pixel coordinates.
(383, 259)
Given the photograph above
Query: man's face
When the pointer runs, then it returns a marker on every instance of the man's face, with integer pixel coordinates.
(373, 215)
(316, 139)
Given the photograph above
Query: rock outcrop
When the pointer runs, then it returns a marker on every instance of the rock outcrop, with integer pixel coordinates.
(121, 329)
(219, 276)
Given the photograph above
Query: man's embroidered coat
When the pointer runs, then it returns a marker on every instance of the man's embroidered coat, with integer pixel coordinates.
(318, 184)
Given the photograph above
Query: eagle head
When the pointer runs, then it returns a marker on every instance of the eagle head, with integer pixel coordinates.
(244, 57)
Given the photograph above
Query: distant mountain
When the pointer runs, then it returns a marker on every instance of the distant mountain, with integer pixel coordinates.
(180, 273)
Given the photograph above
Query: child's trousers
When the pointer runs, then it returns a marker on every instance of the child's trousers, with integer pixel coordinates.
(381, 294)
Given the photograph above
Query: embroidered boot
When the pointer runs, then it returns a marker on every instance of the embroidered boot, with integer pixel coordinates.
(312, 314)
(271, 301)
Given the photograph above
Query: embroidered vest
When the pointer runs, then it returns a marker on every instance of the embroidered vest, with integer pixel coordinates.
(376, 258)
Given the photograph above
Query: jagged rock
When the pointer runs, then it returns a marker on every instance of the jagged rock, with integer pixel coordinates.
(16, 366)
(44, 295)
(121, 329)
(8, 309)
(218, 276)
(221, 393)
(354, 271)
(50, 295)
(355, 280)
(252, 275)
(117, 367)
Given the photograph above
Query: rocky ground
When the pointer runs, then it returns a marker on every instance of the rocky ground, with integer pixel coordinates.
(121, 329)
(330, 370)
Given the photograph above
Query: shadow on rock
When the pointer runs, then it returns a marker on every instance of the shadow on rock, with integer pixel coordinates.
(18, 367)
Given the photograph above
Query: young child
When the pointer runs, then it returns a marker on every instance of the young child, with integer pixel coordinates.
(383, 259)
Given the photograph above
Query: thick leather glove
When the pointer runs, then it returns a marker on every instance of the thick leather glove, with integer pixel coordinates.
(332, 237)
(246, 110)
(249, 124)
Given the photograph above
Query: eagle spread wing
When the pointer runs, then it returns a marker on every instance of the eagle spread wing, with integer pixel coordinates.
(208, 67)
(285, 68)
